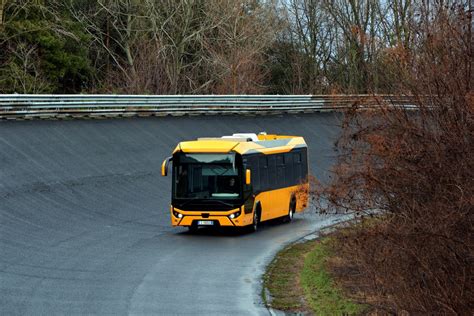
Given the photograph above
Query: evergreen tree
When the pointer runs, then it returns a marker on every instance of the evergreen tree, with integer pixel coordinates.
(42, 50)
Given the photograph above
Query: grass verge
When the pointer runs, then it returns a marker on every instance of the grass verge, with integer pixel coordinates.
(321, 292)
(298, 281)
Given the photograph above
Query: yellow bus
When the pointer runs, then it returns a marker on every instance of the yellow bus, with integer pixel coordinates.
(238, 180)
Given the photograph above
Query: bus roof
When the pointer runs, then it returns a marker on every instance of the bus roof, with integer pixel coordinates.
(267, 144)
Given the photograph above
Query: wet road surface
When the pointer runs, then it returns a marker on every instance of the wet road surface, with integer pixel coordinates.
(84, 219)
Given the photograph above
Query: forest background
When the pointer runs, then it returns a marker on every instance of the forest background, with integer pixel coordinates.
(209, 46)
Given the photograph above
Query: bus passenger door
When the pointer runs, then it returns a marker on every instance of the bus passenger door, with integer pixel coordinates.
(249, 197)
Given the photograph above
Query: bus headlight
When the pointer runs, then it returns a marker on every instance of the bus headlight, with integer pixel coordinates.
(178, 215)
(234, 215)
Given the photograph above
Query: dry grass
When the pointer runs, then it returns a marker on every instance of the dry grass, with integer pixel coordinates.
(299, 282)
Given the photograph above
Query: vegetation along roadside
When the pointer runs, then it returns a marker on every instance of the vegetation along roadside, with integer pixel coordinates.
(301, 280)
(415, 171)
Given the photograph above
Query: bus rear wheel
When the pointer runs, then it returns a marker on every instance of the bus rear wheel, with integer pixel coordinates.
(291, 211)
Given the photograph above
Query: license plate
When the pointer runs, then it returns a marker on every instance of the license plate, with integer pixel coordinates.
(205, 223)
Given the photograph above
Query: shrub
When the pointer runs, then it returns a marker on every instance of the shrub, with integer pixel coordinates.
(415, 170)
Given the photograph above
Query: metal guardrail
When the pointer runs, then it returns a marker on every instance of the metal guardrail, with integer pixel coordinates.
(30, 106)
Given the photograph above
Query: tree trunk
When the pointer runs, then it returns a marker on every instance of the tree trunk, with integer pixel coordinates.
(127, 48)
(471, 42)
(2, 6)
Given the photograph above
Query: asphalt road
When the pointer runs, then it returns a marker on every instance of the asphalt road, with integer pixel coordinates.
(84, 220)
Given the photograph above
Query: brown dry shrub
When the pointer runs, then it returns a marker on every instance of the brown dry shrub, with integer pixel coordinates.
(414, 171)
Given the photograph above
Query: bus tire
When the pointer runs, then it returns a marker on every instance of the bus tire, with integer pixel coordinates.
(291, 211)
(256, 220)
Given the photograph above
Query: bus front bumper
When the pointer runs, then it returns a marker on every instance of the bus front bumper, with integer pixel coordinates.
(232, 218)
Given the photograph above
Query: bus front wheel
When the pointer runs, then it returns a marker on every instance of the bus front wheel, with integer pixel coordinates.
(255, 222)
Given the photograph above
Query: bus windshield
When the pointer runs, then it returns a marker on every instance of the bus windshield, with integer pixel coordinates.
(206, 176)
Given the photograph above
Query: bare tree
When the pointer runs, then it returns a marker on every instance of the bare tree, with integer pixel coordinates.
(172, 28)
(113, 24)
(414, 172)
(201, 46)
(179, 27)
(2, 7)
(311, 33)
(23, 75)
(357, 25)
(235, 46)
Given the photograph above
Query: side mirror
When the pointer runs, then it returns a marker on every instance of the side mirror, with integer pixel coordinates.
(248, 178)
(164, 166)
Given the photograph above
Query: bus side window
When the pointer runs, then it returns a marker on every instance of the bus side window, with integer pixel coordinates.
(255, 173)
(272, 177)
(298, 167)
(280, 165)
(289, 173)
(304, 163)
(263, 165)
